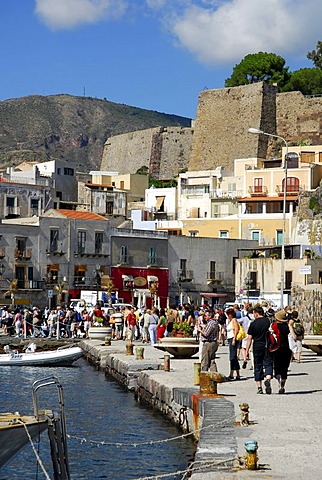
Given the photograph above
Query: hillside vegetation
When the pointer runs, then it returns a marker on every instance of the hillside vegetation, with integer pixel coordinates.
(38, 128)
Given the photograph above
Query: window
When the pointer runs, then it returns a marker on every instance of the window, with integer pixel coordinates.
(193, 233)
(79, 275)
(258, 185)
(58, 171)
(255, 235)
(98, 242)
(21, 244)
(292, 184)
(69, 171)
(288, 280)
(153, 256)
(81, 241)
(10, 201)
(212, 267)
(223, 234)
(123, 254)
(122, 184)
(54, 237)
(279, 237)
(253, 280)
(34, 206)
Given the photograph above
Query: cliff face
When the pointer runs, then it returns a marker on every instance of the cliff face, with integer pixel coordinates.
(38, 128)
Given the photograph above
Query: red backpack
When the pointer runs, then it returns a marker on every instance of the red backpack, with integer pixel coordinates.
(273, 338)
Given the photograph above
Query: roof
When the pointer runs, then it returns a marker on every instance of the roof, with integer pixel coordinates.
(80, 215)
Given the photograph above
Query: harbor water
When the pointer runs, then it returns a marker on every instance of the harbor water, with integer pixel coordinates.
(105, 425)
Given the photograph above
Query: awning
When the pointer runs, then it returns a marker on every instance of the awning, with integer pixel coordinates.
(213, 295)
(160, 200)
(127, 278)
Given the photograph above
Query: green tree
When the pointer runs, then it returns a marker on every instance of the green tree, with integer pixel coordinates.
(316, 55)
(259, 67)
(305, 80)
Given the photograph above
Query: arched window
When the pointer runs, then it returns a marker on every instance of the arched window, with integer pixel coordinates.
(292, 184)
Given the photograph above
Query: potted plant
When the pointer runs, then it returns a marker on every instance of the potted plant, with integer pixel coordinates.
(182, 329)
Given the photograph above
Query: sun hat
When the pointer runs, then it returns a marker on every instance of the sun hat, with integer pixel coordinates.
(281, 316)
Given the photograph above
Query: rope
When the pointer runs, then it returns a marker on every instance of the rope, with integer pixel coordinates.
(203, 465)
(35, 451)
(152, 442)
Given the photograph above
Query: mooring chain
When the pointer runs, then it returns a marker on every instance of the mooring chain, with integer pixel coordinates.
(152, 442)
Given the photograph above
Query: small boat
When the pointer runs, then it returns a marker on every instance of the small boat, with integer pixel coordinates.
(17, 431)
(61, 357)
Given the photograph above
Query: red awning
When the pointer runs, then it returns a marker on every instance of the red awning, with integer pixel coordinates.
(213, 295)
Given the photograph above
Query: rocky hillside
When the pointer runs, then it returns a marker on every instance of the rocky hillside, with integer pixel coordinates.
(38, 128)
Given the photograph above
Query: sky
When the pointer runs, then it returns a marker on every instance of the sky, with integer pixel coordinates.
(152, 54)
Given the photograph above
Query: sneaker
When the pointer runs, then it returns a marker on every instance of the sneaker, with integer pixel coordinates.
(260, 390)
(268, 388)
(244, 365)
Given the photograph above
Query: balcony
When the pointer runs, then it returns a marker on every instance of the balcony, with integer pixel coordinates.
(258, 191)
(219, 193)
(184, 276)
(214, 277)
(153, 261)
(28, 285)
(290, 190)
(89, 255)
(55, 253)
(125, 260)
(11, 212)
(23, 254)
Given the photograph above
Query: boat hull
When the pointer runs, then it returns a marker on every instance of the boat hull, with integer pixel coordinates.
(13, 436)
(58, 358)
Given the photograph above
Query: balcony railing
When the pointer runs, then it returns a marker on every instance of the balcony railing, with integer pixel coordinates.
(23, 254)
(215, 277)
(11, 211)
(219, 193)
(153, 261)
(25, 284)
(260, 190)
(290, 190)
(184, 276)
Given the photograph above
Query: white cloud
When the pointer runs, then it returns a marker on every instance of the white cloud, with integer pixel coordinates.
(64, 14)
(225, 31)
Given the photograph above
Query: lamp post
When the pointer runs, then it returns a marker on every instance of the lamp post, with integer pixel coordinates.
(260, 132)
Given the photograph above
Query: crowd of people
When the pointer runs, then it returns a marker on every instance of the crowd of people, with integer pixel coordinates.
(246, 331)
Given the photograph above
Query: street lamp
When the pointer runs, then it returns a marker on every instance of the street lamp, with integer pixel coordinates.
(260, 132)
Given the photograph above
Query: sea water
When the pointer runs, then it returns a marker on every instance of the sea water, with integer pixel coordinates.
(98, 412)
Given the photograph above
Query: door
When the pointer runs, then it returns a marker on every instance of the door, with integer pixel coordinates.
(20, 276)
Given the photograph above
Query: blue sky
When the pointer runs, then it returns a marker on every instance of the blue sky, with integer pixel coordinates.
(154, 54)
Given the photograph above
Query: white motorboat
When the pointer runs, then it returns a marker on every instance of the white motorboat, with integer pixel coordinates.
(61, 357)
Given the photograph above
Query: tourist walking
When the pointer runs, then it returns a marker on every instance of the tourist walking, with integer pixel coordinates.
(131, 325)
(153, 321)
(162, 324)
(263, 361)
(232, 328)
(209, 338)
(297, 334)
(282, 356)
(145, 332)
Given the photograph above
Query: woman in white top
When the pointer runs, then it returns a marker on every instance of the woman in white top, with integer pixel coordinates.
(232, 328)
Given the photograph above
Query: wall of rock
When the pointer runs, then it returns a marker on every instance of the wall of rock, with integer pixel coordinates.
(308, 302)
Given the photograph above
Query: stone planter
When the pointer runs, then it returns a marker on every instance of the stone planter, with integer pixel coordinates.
(179, 347)
(99, 333)
(314, 343)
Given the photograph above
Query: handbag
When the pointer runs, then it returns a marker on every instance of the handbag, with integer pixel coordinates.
(241, 333)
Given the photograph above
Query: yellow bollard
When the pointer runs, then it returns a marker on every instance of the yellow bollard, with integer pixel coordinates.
(167, 363)
(251, 447)
(139, 352)
(107, 341)
(129, 349)
(197, 367)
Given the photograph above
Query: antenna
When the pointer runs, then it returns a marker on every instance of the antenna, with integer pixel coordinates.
(84, 92)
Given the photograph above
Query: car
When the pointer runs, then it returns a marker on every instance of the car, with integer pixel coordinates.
(79, 304)
(122, 305)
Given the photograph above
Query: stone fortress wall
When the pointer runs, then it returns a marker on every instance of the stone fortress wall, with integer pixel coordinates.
(220, 134)
(164, 150)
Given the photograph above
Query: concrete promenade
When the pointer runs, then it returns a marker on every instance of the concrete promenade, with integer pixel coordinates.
(288, 428)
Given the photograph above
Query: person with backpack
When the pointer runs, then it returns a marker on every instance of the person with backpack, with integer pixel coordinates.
(282, 356)
(297, 332)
